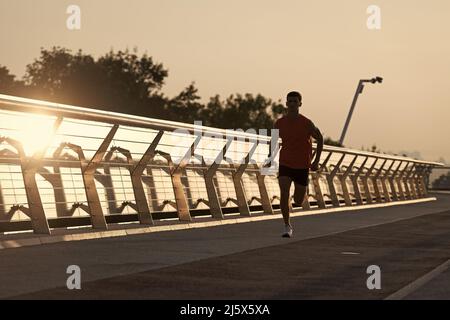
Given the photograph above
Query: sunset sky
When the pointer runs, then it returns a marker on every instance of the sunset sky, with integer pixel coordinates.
(320, 48)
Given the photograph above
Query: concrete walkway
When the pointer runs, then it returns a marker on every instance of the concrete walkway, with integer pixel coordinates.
(246, 260)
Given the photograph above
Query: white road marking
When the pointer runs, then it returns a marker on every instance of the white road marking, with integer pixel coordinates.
(416, 284)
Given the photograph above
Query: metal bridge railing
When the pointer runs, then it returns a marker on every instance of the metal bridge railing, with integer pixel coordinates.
(64, 166)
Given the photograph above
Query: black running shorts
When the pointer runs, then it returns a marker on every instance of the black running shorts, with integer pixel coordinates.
(300, 176)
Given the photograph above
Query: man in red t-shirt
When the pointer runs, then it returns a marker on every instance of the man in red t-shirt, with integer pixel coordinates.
(295, 131)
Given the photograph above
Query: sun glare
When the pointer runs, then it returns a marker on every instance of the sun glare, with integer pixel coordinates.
(34, 132)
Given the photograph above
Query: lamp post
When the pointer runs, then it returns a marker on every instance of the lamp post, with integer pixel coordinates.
(359, 90)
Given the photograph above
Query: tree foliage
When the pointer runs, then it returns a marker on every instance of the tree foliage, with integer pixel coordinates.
(126, 82)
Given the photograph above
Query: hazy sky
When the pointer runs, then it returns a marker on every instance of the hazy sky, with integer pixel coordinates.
(321, 48)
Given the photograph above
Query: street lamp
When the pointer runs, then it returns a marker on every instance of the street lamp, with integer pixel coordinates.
(359, 90)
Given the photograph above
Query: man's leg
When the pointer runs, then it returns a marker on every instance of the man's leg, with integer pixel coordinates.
(285, 186)
(299, 193)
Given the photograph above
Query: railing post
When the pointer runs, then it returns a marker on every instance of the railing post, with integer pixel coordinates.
(375, 180)
(398, 180)
(354, 179)
(387, 196)
(391, 180)
(316, 183)
(264, 195)
(35, 208)
(209, 174)
(406, 181)
(330, 180)
(421, 181)
(88, 170)
(136, 170)
(365, 180)
(417, 187)
(343, 178)
(238, 184)
(145, 216)
(395, 182)
(175, 172)
(410, 183)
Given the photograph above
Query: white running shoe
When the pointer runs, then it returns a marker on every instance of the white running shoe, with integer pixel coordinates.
(288, 231)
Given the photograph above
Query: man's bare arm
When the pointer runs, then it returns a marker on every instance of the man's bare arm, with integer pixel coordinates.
(317, 135)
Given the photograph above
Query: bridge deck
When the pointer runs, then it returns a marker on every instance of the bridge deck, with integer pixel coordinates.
(327, 258)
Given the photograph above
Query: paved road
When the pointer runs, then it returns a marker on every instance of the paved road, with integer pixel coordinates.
(327, 259)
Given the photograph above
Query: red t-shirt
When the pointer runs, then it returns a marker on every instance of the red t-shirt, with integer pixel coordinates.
(296, 143)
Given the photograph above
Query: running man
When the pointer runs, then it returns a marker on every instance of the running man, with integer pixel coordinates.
(295, 131)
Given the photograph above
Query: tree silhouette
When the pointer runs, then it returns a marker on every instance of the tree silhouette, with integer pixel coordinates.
(8, 83)
(241, 111)
(442, 182)
(185, 106)
(118, 81)
(124, 82)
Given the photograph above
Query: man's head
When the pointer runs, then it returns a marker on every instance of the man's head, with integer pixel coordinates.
(293, 100)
